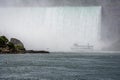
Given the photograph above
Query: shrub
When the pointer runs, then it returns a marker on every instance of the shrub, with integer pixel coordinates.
(11, 45)
(19, 47)
(3, 41)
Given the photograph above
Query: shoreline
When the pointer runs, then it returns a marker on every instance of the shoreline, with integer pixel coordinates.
(27, 51)
(36, 51)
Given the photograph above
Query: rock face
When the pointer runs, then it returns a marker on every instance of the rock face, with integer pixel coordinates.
(14, 46)
(18, 44)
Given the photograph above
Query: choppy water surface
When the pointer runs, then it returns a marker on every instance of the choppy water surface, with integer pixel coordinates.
(60, 66)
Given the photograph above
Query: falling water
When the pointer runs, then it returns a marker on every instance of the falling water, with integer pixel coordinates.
(56, 28)
(73, 25)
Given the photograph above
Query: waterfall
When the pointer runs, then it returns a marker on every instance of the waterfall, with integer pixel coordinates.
(56, 28)
(74, 25)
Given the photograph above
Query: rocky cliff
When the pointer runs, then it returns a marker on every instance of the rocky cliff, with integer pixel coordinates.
(15, 46)
(12, 46)
(18, 44)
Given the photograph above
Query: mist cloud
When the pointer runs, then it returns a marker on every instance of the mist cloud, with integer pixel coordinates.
(110, 29)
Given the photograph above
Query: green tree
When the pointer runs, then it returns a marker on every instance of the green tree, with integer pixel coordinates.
(11, 45)
(3, 41)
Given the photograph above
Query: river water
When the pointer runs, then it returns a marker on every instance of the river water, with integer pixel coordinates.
(60, 66)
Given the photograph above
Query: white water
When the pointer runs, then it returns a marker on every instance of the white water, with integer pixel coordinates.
(56, 28)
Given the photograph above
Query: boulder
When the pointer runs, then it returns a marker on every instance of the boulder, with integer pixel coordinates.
(18, 44)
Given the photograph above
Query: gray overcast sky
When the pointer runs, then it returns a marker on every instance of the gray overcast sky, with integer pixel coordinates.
(56, 28)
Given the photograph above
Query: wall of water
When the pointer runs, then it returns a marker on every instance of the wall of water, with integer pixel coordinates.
(56, 28)
(74, 25)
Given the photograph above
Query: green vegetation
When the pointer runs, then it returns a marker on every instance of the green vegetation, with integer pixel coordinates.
(11, 45)
(14, 46)
(3, 41)
(7, 46)
(19, 47)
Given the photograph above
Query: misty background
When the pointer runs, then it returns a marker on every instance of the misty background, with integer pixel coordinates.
(110, 16)
(56, 28)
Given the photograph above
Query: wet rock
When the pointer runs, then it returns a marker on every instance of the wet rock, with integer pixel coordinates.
(18, 45)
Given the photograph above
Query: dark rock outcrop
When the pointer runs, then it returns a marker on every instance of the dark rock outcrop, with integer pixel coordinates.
(33, 51)
(12, 46)
(16, 42)
(18, 45)
(15, 46)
